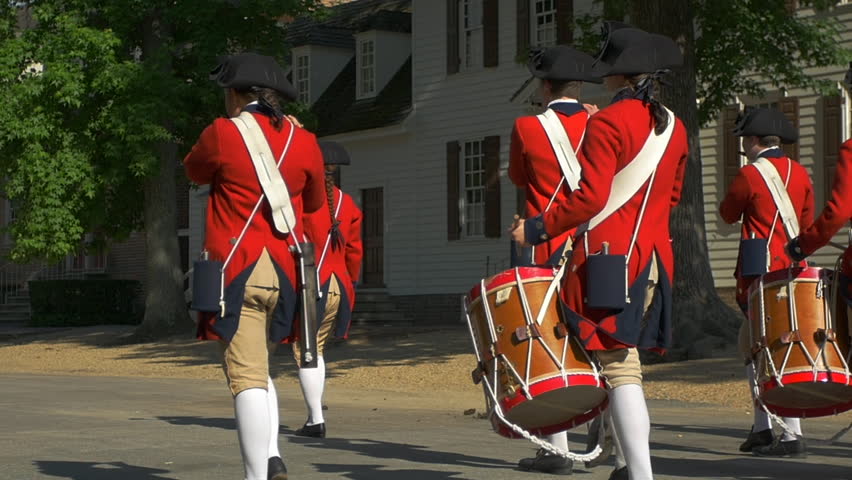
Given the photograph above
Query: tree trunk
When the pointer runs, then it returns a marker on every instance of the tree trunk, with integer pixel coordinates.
(702, 321)
(165, 308)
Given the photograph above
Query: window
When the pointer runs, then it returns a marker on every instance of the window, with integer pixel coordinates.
(303, 75)
(544, 23)
(366, 68)
(473, 189)
(471, 33)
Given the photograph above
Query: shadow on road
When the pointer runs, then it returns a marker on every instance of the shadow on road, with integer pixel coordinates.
(375, 472)
(99, 471)
(748, 467)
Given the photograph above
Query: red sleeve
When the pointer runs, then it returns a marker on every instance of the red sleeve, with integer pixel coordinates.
(354, 248)
(603, 145)
(737, 199)
(203, 161)
(314, 195)
(839, 208)
(677, 187)
(517, 159)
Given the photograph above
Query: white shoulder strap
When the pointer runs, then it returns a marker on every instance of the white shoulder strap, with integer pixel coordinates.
(630, 179)
(561, 147)
(328, 235)
(780, 196)
(267, 172)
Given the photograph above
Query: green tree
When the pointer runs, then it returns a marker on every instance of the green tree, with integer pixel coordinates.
(722, 41)
(100, 100)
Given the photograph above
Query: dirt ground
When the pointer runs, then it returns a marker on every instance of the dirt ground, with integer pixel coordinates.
(420, 362)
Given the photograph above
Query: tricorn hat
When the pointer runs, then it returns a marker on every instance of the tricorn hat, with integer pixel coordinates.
(246, 70)
(615, 38)
(764, 122)
(333, 153)
(640, 53)
(562, 63)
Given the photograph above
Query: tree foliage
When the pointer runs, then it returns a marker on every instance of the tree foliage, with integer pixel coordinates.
(86, 105)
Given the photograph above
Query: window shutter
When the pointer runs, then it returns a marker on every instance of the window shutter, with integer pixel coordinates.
(453, 59)
(521, 201)
(453, 183)
(490, 33)
(831, 139)
(790, 107)
(565, 22)
(491, 149)
(523, 17)
(731, 145)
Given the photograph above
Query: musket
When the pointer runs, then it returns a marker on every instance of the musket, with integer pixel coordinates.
(310, 295)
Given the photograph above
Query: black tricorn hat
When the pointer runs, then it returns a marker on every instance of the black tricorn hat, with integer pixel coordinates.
(641, 53)
(764, 122)
(615, 38)
(246, 70)
(562, 63)
(333, 153)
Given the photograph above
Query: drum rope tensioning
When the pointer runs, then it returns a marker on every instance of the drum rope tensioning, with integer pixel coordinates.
(562, 392)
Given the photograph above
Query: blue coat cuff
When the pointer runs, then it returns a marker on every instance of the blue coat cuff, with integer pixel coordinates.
(534, 231)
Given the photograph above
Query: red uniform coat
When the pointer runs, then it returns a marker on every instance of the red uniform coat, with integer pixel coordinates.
(343, 261)
(220, 159)
(748, 197)
(613, 138)
(533, 166)
(836, 213)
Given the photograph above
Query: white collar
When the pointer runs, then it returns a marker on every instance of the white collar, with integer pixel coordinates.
(562, 100)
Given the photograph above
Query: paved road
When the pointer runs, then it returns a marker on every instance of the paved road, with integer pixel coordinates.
(95, 428)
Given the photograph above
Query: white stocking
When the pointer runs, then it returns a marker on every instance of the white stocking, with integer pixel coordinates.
(795, 425)
(558, 440)
(616, 443)
(312, 381)
(761, 419)
(252, 413)
(633, 427)
(272, 402)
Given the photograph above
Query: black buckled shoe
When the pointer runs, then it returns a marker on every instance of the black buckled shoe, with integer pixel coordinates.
(756, 439)
(276, 470)
(620, 474)
(790, 449)
(315, 431)
(547, 463)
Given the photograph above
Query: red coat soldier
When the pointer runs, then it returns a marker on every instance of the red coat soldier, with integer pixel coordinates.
(626, 216)
(259, 279)
(547, 170)
(837, 212)
(533, 163)
(750, 198)
(336, 233)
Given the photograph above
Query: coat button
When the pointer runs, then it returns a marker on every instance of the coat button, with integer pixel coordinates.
(232, 241)
(544, 236)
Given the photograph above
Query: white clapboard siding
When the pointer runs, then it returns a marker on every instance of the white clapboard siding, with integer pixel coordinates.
(467, 105)
(723, 240)
(386, 161)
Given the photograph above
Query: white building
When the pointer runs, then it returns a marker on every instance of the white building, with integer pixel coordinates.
(418, 92)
